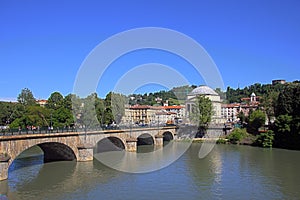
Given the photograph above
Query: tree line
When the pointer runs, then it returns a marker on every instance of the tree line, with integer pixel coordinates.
(61, 111)
(280, 106)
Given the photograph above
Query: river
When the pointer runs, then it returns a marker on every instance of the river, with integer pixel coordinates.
(228, 172)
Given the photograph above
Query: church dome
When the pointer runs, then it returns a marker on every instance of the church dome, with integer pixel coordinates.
(203, 90)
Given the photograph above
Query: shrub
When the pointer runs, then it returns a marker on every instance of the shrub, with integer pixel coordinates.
(237, 135)
(221, 141)
(265, 139)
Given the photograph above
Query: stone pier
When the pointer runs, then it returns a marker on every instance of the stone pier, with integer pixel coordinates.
(4, 164)
(85, 153)
(131, 144)
(159, 140)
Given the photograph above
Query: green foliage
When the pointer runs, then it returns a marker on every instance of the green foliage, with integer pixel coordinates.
(221, 93)
(114, 107)
(32, 116)
(84, 111)
(283, 123)
(221, 141)
(55, 101)
(289, 100)
(287, 112)
(256, 120)
(237, 135)
(265, 139)
(118, 102)
(235, 95)
(62, 117)
(26, 97)
(175, 96)
(202, 112)
(268, 104)
(9, 112)
(181, 92)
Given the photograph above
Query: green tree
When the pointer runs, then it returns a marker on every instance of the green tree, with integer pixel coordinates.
(114, 107)
(237, 135)
(55, 101)
(32, 116)
(68, 101)
(62, 117)
(283, 123)
(256, 120)
(202, 112)
(289, 101)
(26, 97)
(7, 110)
(265, 139)
(84, 111)
(268, 103)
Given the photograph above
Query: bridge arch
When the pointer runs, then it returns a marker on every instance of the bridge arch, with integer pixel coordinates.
(167, 136)
(53, 151)
(110, 143)
(145, 139)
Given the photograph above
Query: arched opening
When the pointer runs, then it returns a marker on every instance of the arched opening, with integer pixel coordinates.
(145, 143)
(145, 139)
(110, 144)
(168, 136)
(54, 151)
(35, 156)
(30, 157)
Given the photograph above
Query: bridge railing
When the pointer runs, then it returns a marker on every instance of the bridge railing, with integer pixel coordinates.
(48, 130)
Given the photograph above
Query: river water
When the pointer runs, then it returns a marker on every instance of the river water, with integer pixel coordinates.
(228, 172)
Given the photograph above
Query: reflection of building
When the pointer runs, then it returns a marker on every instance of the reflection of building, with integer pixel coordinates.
(145, 114)
(211, 95)
(230, 111)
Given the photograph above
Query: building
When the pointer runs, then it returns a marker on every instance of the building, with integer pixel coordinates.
(42, 102)
(145, 114)
(211, 95)
(231, 111)
(279, 81)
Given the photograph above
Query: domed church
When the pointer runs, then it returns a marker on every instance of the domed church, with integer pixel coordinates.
(212, 95)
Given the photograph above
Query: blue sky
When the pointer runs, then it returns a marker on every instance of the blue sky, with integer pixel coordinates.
(43, 43)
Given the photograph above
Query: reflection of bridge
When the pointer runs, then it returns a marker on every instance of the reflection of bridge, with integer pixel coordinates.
(79, 146)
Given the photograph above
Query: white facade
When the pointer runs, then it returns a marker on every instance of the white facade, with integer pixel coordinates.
(211, 95)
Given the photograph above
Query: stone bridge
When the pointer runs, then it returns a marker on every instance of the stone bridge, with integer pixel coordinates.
(79, 146)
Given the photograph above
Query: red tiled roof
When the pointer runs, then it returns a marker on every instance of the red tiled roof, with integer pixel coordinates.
(140, 107)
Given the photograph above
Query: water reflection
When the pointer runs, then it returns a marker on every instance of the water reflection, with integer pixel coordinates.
(228, 172)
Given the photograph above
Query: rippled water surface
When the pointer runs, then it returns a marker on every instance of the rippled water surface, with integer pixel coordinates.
(228, 172)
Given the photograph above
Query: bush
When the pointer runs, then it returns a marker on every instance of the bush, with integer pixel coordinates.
(221, 141)
(265, 139)
(237, 135)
